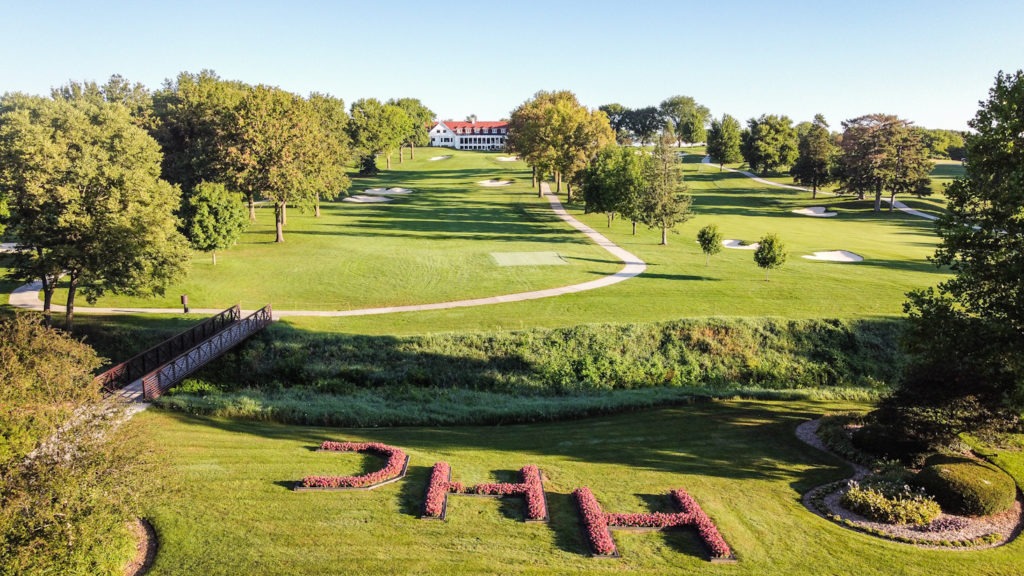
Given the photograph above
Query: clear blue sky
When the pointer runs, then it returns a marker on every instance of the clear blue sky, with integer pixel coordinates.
(930, 62)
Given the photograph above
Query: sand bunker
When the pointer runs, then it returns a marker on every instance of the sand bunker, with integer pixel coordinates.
(506, 158)
(736, 245)
(436, 158)
(494, 182)
(836, 256)
(360, 199)
(816, 211)
(386, 191)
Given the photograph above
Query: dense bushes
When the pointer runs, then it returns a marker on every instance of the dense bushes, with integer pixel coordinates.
(891, 502)
(965, 486)
(765, 353)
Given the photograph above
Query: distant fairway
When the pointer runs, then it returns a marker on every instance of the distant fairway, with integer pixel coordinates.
(438, 244)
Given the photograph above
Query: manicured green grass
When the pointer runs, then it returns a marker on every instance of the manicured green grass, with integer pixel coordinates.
(430, 246)
(227, 507)
(678, 284)
(435, 246)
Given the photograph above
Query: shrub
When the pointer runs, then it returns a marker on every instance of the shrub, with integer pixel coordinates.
(890, 502)
(884, 442)
(965, 486)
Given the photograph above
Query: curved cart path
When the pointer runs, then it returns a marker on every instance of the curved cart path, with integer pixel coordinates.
(27, 296)
(897, 204)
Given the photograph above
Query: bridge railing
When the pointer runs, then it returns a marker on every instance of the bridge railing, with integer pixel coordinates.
(141, 364)
(163, 378)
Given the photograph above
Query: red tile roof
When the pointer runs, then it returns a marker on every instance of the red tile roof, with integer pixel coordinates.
(478, 124)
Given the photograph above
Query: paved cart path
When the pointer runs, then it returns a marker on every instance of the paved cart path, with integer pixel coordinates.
(27, 296)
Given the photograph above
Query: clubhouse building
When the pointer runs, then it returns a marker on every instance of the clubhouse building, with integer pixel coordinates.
(469, 135)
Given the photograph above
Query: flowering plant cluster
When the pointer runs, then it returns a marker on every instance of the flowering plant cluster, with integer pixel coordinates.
(437, 490)
(706, 529)
(531, 488)
(392, 469)
(595, 522)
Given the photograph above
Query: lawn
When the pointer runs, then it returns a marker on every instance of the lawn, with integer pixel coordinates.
(436, 245)
(430, 246)
(226, 506)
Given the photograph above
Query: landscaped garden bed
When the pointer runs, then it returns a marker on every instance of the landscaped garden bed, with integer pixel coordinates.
(597, 524)
(939, 530)
(531, 488)
(397, 463)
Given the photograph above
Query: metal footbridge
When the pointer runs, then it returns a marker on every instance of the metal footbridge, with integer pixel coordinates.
(153, 372)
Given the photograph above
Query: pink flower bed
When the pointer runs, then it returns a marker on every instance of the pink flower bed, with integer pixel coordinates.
(437, 490)
(706, 529)
(392, 469)
(595, 522)
(531, 488)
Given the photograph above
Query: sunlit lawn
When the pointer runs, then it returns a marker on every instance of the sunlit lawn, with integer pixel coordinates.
(226, 507)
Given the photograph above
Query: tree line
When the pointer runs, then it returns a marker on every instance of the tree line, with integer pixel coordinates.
(109, 185)
(874, 154)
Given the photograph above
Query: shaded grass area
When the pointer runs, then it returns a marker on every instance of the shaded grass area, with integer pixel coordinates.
(227, 507)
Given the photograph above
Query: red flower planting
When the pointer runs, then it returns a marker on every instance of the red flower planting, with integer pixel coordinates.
(705, 527)
(437, 490)
(392, 469)
(531, 488)
(595, 522)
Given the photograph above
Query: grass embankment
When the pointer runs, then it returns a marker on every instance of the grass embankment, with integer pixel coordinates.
(227, 507)
(309, 378)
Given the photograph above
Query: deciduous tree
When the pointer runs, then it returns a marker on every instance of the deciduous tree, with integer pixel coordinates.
(710, 240)
(376, 128)
(274, 134)
(87, 200)
(69, 470)
(724, 141)
(816, 156)
(214, 218)
(645, 123)
(613, 181)
(770, 253)
(881, 152)
(769, 142)
(193, 125)
(966, 337)
(689, 117)
(420, 118)
(331, 153)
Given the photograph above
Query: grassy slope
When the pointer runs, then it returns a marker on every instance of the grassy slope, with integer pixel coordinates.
(228, 509)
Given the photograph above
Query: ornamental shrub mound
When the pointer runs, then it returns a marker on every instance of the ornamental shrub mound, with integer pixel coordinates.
(966, 486)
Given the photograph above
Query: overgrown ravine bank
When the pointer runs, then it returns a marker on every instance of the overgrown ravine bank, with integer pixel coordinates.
(302, 377)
